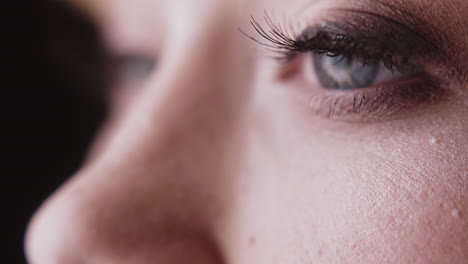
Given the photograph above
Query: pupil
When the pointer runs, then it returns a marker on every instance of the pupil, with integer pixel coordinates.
(343, 72)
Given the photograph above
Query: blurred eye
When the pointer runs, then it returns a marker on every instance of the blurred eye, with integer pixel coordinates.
(129, 72)
(340, 72)
(134, 69)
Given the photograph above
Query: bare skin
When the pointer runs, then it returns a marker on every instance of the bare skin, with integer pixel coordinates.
(217, 157)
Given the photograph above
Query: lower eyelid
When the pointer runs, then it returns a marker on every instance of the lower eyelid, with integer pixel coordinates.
(376, 104)
(388, 100)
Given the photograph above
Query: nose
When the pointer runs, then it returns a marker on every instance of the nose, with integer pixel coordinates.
(153, 194)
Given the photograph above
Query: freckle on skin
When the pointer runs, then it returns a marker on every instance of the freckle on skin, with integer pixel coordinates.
(252, 240)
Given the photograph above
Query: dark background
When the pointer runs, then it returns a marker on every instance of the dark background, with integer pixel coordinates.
(51, 105)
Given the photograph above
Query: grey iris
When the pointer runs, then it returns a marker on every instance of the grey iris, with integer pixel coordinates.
(134, 67)
(341, 72)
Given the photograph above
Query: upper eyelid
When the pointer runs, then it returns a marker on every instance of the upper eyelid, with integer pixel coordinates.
(370, 28)
(409, 15)
(430, 43)
(389, 36)
(416, 38)
(414, 19)
(435, 45)
(384, 31)
(405, 15)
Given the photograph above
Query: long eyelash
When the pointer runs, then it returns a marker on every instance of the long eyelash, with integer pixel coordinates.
(321, 40)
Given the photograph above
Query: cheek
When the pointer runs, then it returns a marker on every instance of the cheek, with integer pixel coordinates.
(410, 201)
(367, 205)
(375, 193)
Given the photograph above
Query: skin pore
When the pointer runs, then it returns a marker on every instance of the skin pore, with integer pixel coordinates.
(225, 155)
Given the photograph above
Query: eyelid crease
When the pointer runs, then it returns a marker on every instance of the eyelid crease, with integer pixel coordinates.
(408, 15)
(410, 31)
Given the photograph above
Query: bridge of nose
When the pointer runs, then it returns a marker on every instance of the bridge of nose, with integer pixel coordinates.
(163, 177)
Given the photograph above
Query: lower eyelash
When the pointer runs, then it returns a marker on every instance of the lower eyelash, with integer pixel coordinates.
(378, 103)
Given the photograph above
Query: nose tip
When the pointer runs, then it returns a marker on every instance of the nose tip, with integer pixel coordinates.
(75, 227)
(54, 235)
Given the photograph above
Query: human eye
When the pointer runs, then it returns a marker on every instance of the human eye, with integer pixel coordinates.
(358, 66)
(132, 68)
(345, 72)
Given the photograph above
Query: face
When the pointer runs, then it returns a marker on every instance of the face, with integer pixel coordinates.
(324, 132)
